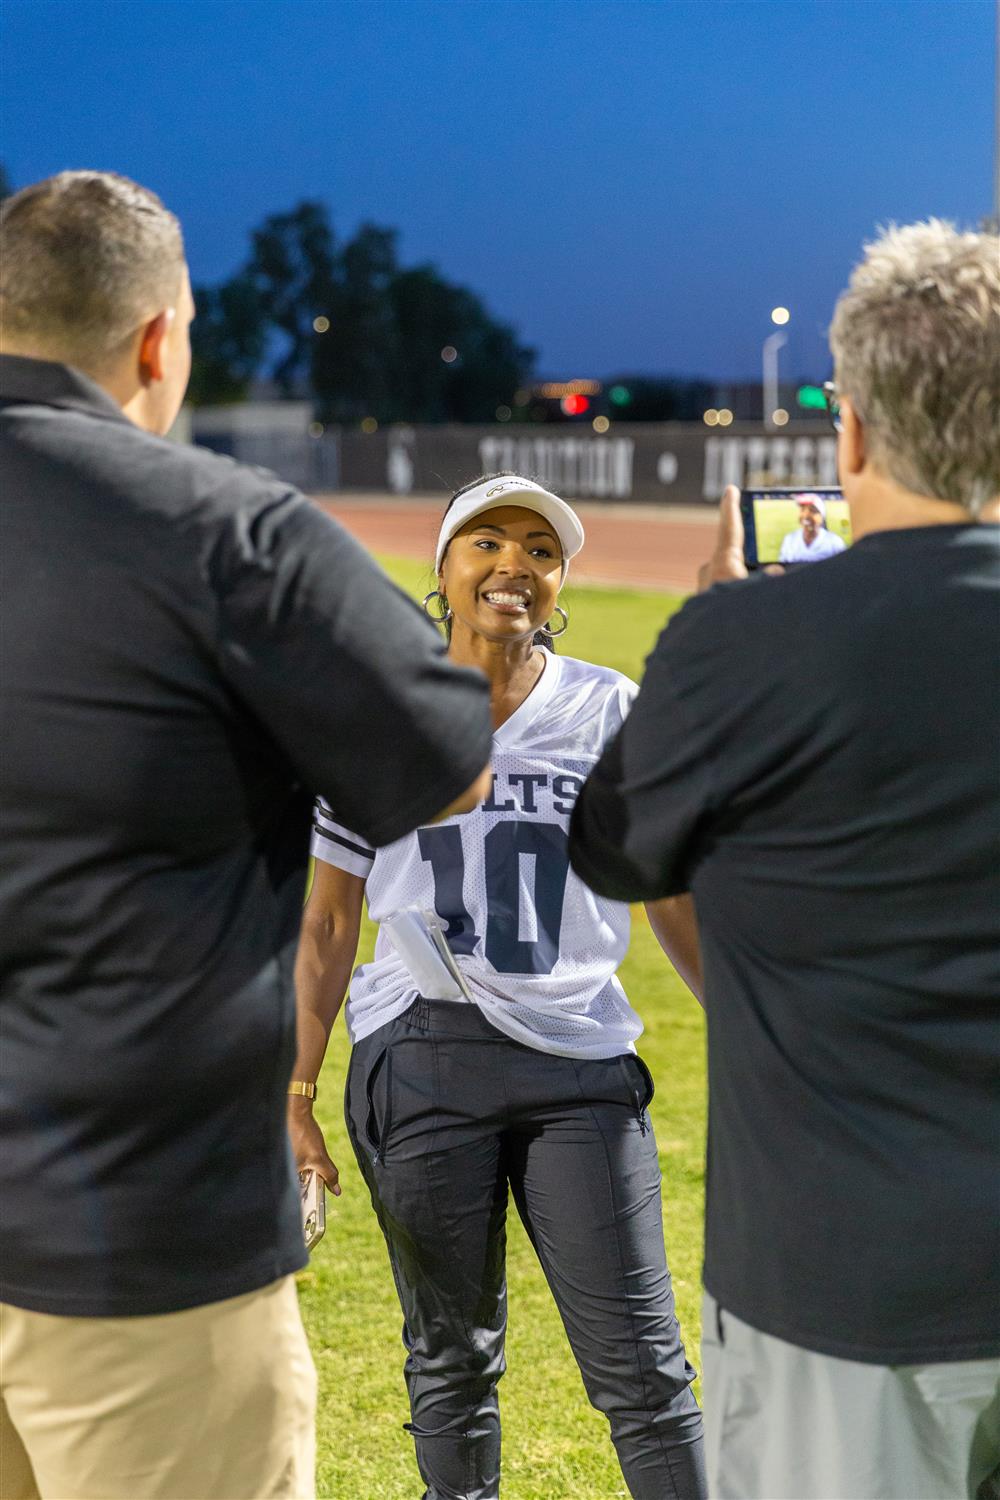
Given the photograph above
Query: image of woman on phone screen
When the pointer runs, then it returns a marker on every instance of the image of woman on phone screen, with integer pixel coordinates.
(534, 1089)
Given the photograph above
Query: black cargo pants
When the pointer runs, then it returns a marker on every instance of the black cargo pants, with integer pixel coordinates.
(444, 1112)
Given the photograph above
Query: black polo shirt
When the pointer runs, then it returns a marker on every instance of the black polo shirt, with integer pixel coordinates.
(815, 757)
(190, 651)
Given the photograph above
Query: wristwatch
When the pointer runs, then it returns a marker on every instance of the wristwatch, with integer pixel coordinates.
(297, 1086)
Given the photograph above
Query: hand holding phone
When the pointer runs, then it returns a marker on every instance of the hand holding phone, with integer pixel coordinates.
(726, 561)
(312, 1195)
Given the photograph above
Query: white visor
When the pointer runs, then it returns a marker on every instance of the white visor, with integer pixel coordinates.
(511, 489)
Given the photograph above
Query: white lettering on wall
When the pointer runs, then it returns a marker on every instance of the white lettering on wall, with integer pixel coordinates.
(666, 468)
(767, 461)
(575, 466)
(399, 461)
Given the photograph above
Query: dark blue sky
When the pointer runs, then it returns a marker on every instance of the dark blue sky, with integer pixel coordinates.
(632, 183)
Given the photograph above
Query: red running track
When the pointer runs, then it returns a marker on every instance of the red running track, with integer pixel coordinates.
(643, 547)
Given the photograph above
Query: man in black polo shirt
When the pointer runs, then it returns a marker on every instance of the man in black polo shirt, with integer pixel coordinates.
(191, 651)
(814, 758)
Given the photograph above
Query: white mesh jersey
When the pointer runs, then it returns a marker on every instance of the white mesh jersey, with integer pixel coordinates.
(538, 948)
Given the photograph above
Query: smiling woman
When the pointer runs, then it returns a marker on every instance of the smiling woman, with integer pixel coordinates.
(480, 519)
(521, 565)
(534, 1090)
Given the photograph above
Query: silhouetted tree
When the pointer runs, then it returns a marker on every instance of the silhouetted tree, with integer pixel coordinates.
(492, 364)
(353, 361)
(431, 314)
(292, 266)
(361, 335)
(425, 324)
(228, 338)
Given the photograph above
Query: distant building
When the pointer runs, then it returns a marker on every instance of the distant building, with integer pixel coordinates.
(278, 435)
(745, 399)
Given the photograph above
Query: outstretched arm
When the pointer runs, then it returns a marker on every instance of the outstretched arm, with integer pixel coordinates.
(640, 812)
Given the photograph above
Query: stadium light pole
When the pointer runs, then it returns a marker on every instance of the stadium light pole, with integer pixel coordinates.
(769, 366)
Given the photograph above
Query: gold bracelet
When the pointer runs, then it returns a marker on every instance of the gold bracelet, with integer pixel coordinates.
(308, 1090)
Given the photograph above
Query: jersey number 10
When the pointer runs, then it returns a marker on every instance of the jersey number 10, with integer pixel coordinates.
(506, 950)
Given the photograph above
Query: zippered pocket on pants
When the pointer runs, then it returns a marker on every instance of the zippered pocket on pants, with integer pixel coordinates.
(378, 1132)
(640, 1091)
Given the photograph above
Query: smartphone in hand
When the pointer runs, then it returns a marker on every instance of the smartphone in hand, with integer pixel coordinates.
(791, 526)
(312, 1196)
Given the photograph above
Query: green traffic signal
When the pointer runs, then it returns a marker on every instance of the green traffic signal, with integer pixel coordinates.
(619, 395)
(811, 397)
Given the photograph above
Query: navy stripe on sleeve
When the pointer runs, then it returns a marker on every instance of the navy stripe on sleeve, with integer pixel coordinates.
(337, 838)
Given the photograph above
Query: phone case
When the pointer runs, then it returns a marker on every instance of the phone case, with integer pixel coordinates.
(312, 1196)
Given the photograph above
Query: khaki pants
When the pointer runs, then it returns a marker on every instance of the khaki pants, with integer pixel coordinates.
(783, 1423)
(213, 1403)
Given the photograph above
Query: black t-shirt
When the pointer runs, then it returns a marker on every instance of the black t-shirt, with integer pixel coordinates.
(191, 650)
(815, 757)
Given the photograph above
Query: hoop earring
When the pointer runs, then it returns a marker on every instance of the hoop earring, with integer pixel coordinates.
(438, 619)
(565, 624)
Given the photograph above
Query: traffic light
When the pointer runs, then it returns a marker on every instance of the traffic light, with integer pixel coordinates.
(811, 397)
(620, 395)
(574, 405)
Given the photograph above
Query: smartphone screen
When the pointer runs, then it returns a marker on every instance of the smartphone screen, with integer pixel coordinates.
(792, 526)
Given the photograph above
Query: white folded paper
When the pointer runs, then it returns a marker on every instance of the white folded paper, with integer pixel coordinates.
(418, 938)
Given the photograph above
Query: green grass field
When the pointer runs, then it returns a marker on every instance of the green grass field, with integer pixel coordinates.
(556, 1446)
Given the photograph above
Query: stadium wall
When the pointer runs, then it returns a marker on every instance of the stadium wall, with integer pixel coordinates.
(669, 463)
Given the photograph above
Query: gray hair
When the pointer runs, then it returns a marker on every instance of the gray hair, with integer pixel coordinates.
(87, 258)
(916, 348)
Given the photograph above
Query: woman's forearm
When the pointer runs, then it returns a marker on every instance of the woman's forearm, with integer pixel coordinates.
(322, 973)
(327, 949)
(675, 925)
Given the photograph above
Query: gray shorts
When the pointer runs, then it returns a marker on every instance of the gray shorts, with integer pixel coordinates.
(783, 1423)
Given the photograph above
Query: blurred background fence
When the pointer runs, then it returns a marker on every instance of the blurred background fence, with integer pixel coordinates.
(650, 463)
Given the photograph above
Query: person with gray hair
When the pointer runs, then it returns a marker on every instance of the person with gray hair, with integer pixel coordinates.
(187, 661)
(916, 347)
(839, 830)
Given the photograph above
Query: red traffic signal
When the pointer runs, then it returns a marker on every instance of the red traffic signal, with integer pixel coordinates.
(575, 406)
